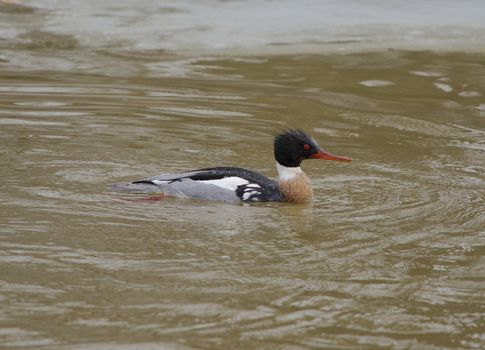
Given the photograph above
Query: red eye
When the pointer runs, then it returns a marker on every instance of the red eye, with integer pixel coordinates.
(306, 146)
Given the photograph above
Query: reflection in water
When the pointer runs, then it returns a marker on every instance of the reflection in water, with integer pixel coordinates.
(389, 254)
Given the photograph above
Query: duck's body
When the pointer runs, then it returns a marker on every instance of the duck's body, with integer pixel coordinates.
(237, 184)
(222, 183)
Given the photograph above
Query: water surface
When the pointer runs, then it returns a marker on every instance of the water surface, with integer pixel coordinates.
(389, 255)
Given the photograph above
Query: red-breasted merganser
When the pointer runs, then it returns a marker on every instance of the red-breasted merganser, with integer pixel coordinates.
(237, 184)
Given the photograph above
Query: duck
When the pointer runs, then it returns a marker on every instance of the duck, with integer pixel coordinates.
(233, 184)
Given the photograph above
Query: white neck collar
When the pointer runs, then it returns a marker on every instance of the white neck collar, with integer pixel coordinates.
(287, 173)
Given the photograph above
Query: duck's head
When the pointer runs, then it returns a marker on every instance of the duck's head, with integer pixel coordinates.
(294, 146)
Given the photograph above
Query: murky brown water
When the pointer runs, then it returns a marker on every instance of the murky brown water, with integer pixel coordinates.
(390, 254)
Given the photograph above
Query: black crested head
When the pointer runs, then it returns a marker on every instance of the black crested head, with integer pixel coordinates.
(293, 146)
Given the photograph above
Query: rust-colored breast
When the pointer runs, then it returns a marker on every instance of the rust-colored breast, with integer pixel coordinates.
(297, 190)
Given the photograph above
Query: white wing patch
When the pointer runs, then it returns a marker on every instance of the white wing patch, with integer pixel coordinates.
(159, 182)
(230, 183)
(250, 190)
(253, 186)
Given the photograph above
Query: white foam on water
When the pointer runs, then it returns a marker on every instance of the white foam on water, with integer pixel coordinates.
(443, 87)
(376, 83)
(431, 74)
(469, 94)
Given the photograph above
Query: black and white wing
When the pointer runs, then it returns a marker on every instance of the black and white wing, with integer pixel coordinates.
(222, 183)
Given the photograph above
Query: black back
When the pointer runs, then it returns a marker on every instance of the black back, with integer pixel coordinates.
(267, 190)
(260, 188)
